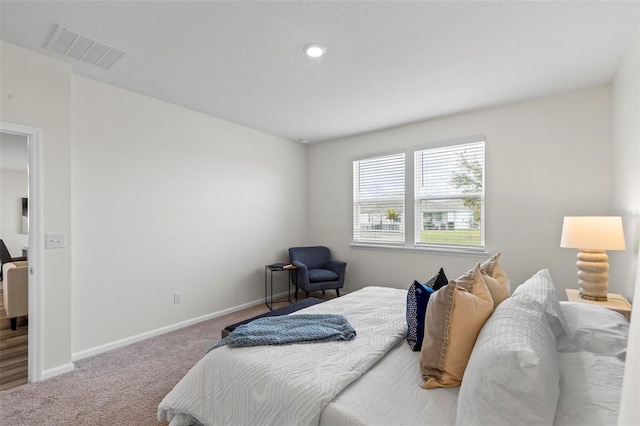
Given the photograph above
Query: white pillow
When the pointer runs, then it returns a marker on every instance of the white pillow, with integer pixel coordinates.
(513, 373)
(590, 389)
(540, 289)
(595, 329)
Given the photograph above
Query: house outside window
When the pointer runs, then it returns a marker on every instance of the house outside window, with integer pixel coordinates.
(449, 196)
(379, 199)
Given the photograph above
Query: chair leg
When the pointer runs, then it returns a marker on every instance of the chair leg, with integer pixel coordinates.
(14, 323)
(323, 292)
(306, 294)
(338, 292)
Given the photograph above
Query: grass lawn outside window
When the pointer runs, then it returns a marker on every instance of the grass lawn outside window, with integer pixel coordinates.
(461, 237)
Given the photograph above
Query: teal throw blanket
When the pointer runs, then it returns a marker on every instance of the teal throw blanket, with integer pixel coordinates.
(287, 329)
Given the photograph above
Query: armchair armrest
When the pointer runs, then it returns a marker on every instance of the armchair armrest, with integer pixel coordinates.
(300, 266)
(13, 260)
(337, 266)
(301, 276)
(16, 288)
(11, 265)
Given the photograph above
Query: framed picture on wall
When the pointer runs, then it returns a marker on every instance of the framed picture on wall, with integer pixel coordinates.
(24, 223)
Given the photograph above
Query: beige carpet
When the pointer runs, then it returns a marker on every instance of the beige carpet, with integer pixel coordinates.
(121, 387)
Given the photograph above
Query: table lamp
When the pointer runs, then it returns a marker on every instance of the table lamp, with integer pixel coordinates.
(593, 236)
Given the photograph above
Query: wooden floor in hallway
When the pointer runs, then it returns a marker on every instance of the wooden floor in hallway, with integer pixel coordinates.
(14, 347)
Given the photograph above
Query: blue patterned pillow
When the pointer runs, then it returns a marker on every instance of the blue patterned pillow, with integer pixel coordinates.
(417, 299)
(438, 281)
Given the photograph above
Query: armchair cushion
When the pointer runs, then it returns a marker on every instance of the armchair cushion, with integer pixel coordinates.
(316, 275)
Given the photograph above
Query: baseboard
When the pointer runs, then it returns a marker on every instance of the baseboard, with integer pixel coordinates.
(56, 371)
(146, 335)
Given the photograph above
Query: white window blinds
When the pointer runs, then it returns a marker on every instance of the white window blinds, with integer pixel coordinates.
(378, 199)
(449, 196)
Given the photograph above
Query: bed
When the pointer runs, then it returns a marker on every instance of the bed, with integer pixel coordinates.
(535, 361)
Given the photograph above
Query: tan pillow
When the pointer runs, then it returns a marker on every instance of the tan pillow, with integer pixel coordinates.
(455, 315)
(497, 280)
(489, 264)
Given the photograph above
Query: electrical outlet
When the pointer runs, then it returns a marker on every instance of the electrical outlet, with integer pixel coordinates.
(177, 298)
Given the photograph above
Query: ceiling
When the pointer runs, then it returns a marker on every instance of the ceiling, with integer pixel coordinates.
(387, 63)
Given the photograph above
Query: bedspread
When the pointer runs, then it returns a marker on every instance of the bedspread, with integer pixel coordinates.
(287, 385)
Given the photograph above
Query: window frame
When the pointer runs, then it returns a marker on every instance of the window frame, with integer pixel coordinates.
(411, 219)
(449, 197)
(403, 225)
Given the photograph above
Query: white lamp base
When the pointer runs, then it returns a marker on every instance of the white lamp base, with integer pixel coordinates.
(592, 274)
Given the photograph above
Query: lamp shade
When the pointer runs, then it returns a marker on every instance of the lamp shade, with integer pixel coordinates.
(593, 233)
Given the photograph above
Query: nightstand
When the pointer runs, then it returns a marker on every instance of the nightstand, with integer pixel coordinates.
(616, 302)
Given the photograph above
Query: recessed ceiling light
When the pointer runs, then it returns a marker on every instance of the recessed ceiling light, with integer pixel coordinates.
(314, 50)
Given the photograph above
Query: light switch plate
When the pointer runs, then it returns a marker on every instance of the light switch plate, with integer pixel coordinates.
(53, 241)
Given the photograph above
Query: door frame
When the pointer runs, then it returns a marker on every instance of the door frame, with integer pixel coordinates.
(34, 145)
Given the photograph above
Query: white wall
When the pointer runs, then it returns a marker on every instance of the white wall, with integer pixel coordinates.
(35, 91)
(14, 186)
(165, 200)
(545, 159)
(626, 168)
(169, 200)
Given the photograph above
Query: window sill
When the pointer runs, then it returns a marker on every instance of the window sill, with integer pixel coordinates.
(445, 251)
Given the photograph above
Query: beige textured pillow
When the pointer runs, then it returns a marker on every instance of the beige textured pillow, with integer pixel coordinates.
(489, 264)
(497, 280)
(454, 317)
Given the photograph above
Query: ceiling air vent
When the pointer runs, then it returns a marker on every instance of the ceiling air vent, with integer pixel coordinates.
(76, 46)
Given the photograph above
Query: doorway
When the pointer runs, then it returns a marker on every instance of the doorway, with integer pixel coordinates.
(14, 232)
(26, 139)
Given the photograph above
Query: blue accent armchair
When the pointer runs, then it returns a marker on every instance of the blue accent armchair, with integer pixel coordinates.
(316, 270)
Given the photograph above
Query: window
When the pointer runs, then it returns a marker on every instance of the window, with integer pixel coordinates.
(445, 185)
(379, 199)
(449, 196)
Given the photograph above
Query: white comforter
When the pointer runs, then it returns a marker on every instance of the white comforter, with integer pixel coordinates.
(287, 385)
(391, 394)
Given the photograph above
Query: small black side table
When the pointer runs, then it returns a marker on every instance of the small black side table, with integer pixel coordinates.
(268, 282)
